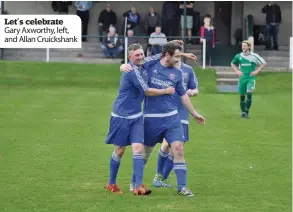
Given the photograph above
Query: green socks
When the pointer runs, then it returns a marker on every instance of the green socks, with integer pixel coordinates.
(242, 103)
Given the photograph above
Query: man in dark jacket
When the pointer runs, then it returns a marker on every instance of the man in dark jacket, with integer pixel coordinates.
(133, 19)
(273, 20)
(106, 19)
(152, 20)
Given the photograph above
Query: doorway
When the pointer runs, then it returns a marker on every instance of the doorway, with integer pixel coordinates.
(222, 21)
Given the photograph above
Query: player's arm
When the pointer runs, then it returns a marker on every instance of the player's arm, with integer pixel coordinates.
(140, 83)
(151, 60)
(159, 92)
(148, 61)
(259, 61)
(189, 56)
(187, 103)
(192, 84)
(234, 64)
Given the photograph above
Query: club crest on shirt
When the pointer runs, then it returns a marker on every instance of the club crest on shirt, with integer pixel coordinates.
(171, 76)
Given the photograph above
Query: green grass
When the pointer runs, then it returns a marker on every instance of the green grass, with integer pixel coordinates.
(54, 120)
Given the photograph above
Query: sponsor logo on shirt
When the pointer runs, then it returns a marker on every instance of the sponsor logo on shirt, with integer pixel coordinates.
(171, 76)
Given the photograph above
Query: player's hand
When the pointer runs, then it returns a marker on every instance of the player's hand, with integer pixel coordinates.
(193, 92)
(199, 119)
(239, 73)
(253, 73)
(170, 90)
(189, 56)
(125, 68)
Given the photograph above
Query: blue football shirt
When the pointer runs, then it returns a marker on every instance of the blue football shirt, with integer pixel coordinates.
(131, 91)
(189, 82)
(161, 77)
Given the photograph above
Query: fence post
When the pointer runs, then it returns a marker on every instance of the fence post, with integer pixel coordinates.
(204, 43)
(125, 26)
(47, 55)
(125, 50)
(291, 53)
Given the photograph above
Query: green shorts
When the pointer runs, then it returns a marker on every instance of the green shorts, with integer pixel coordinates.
(245, 85)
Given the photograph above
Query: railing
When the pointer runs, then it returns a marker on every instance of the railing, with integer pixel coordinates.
(291, 53)
(125, 38)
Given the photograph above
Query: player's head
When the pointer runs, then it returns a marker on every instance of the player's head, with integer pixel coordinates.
(246, 46)
(172, 53)
(136, 54)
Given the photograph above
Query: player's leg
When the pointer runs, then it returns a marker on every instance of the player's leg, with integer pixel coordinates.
(137, 140)
(147, 152)
(151, 134)
(242, 91)
(175, 138)
(162, 159)
(114, 168)
(169, 163)
(138, 170)
(119, 136)
(250, 89)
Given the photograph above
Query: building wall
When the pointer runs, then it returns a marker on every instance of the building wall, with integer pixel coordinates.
(254, 9)
(22, 7)
(251, 7)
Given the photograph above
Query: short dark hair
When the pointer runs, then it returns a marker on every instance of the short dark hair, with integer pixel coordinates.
(133, 47)
(170, 48)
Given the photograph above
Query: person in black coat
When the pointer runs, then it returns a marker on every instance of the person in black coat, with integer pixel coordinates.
(106, 19)
(273, 21)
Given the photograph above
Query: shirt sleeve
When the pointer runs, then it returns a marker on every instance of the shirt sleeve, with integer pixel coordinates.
(151, 60)
(192, 82)
(179, 86)
(258, 59)
(137, 80)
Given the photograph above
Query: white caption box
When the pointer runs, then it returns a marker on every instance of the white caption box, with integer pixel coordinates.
(40, 31)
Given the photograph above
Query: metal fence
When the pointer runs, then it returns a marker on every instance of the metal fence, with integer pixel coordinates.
(144, 39)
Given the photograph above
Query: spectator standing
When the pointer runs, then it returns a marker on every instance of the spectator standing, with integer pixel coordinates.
(152, 20)
(106, 19)
(157, 40)
(207, 31)
(111, 44)
(273, 21)
(83, 11)
(189, 19)
(133, 19)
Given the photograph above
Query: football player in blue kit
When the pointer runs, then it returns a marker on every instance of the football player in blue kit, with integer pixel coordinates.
(126, 122)
(165, 158)
(161, 118)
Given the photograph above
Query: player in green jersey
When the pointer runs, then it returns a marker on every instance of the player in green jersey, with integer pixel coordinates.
(246, 65)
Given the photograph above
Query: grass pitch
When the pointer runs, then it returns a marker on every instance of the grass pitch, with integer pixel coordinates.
(54, 119)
